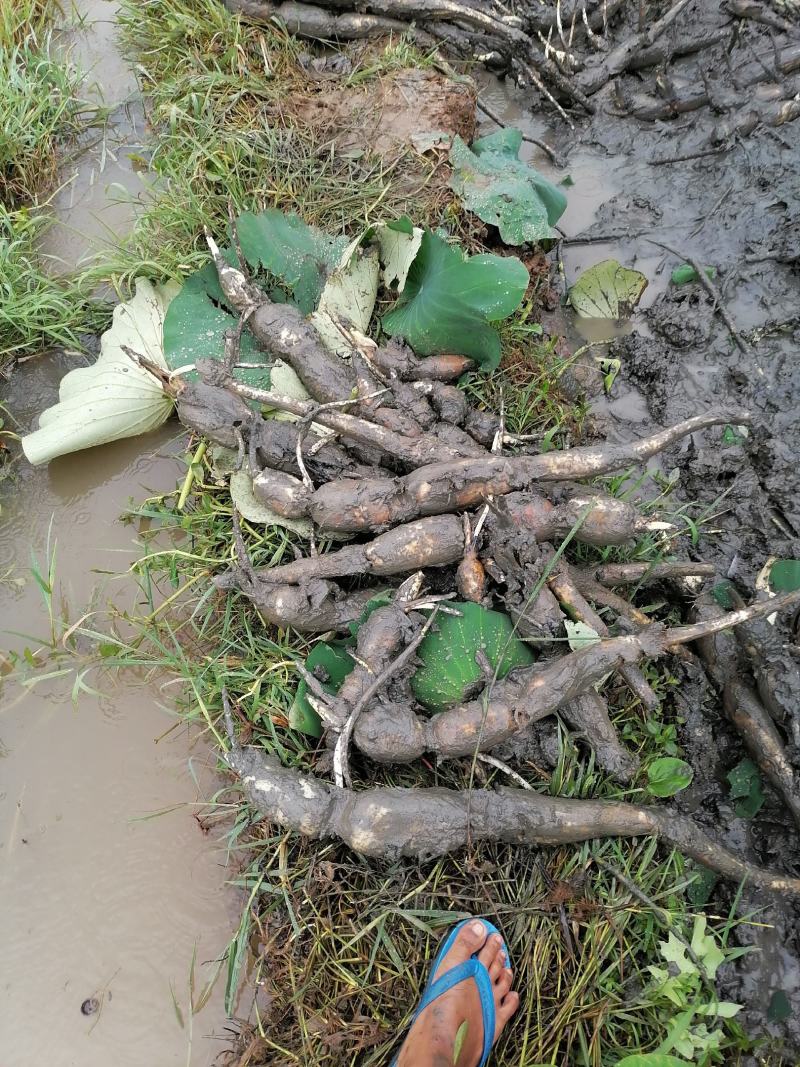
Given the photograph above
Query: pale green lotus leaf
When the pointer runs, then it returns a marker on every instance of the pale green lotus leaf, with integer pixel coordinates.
(607, 291)
(252, 509)
(580, 635)
(285, 381)
(114, 398)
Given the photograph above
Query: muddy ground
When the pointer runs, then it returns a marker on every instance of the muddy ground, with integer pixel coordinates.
(727, 209)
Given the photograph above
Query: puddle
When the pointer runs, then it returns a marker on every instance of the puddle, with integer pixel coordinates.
(97, 201)
(97, 899)
(92, 894)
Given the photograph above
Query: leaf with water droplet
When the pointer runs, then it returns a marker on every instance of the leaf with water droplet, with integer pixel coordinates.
(495, 184)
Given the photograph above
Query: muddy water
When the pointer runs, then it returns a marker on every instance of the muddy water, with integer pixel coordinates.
(99, 901)
(95, 896)
(96, 203)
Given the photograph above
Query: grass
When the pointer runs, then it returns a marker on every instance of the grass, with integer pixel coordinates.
(41, 115)
(36, 310)
(41, 109)
(218, 91)
(336, 946)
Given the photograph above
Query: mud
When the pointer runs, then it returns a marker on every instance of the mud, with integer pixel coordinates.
(407, 109)
(728, 210)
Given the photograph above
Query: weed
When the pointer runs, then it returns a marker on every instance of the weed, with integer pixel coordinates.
(36, 311)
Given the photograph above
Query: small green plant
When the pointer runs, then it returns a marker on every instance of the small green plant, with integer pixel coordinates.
(745, 786)
(650, 1059)
(682, 989)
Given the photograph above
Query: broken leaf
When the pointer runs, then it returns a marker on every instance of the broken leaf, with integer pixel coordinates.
(784, 577)
(607, 291)
(700, 889)
(500, 189)
(331, 664)
(686, 273)
(779, 1007)
(580, 634)
(223, 463)
(114, 398)
(298, 256)
(399, 243)
(348, 297)
(449, 301)
(285, 381)
(251, 508)
(448, 654)
(673, 950)
(668, 776)
(745, 783)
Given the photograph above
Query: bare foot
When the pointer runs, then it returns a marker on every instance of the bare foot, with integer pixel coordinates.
(431, 1041)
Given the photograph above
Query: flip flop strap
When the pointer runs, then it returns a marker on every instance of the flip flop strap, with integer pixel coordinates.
(463, 972)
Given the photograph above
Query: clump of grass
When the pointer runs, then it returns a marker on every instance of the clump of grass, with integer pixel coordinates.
(21, 20)
(41, 113)
(36, 310)
(41, 109)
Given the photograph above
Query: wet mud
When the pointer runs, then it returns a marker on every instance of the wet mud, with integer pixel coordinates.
(736, 210)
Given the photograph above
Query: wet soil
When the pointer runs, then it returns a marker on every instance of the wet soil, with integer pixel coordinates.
(725, 210)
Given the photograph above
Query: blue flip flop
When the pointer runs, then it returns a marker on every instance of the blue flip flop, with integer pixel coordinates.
(469, 969)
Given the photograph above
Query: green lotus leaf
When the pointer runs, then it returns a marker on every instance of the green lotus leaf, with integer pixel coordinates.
(195, 325)
(449, 301)
(784, 575)
(447, 654)
(495, 184)
(301, 256)
(336, 663)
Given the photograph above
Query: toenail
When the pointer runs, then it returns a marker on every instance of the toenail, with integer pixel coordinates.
(477, 929)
